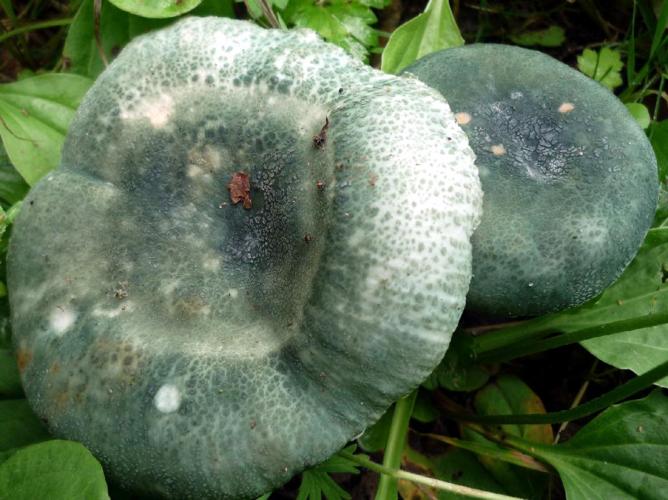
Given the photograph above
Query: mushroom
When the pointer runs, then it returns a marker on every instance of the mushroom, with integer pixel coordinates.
(570, 179)
(254, 244)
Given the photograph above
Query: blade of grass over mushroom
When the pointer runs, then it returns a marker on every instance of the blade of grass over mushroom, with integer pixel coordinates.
(433, 30)
(605, 330)
(615, 395)
(628, 319)
(615, 455)
(55, 469)
(156, 8)
(34, 116)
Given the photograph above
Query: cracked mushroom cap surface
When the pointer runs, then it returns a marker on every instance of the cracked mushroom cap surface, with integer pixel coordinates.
(253, 246)
(570, 179)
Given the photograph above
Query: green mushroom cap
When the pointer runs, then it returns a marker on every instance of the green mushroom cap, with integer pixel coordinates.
(253, 245)
(570, 180)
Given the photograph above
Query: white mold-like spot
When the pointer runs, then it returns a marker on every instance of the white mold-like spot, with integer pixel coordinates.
(233, 293)
(61, 319)
(566, 107)
(211, 264)
(158, 111)
(498, 150)
(516, 94)
(167, 399)
(463, 118)
(194, 171)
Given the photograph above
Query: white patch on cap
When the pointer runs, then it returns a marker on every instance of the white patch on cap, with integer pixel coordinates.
(463, 118)
(566, 107)
(158, 111)
(211, 264)
(498, 150)
(62, 319)
(167, 399)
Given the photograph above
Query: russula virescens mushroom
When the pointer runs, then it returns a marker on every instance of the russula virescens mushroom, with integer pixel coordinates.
(570, 179)
(253, 245)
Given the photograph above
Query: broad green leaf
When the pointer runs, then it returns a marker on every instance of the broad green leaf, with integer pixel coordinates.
(659, 137)
(19, 426)
(34, 116)
(640, 113)
(156, 9)
(12, 186)
(433, 30)
(604, 66)
(553, 36)
(55, 469)
(117, 28)
(347, 24)
(317, 483)
(10, 382)
(253, 7)
(621, 454)
(279, 4)
(641, 290)
(510, 395)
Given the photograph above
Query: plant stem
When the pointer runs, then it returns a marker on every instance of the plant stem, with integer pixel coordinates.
(387, 486)
(428, 481)
(595, 405)
(485, 355)
(51, 23)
